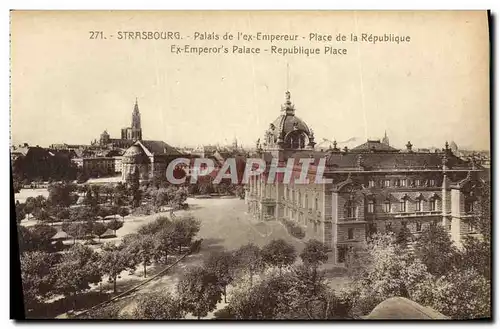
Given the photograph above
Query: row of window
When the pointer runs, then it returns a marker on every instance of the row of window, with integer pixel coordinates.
(402, 182)
(387, 206)
(388, 227)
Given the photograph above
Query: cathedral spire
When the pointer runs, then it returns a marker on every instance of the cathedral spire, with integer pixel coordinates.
(385, 140)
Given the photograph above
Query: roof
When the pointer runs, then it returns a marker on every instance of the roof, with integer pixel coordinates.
(135, 154)
(391, 160)
(374, 146)
(159, 147)
(400, 308)
(286, 123)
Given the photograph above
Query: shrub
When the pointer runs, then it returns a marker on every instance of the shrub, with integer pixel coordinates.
(293, 228)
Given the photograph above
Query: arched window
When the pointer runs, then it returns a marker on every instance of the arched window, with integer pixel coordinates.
(351, 209)
(420, 205)
(371, 206)
(387, 206)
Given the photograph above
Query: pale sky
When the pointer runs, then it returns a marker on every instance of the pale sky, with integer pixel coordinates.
(68, 88)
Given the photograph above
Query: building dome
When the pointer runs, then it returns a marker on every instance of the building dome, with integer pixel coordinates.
(135, 155)
(289, 131)
(288, 123)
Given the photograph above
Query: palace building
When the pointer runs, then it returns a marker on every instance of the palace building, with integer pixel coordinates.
(374, 188)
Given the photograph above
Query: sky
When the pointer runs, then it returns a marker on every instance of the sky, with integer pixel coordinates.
(67, 88)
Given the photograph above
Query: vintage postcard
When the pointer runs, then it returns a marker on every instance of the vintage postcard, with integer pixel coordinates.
(248, 165)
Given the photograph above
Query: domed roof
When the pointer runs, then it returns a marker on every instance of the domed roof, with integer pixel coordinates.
(135, 154)
(286, 123)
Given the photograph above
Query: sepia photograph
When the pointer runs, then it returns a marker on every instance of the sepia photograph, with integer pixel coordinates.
(250, 165)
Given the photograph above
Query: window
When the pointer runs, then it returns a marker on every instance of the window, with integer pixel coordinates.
(350, 234)
(402, 182)
(469, 206)
(434, 204)
(371, 207)
(419, 227)
(420, 205)
(404, 224)
(351, 209)
(432, 182)
(387, 206)
(306, 201)
(387, 183)
(316, 203)
(471, 227)
(402, 205)
(371, 183)
(417, 182)
(300, 199)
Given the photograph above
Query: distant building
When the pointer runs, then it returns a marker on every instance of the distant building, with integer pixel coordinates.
(129, 135)
(374, 187)
(385, 140)
(96, 166)
(148, 160)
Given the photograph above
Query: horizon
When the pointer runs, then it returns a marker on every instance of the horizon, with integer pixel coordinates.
(420, 91)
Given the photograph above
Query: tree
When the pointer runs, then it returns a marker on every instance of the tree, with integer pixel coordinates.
(74, 230)
(404, 237)
(279, 253)
(99, 229)
(123, 212)
(20, 212)
(78, 268)
(141, 248)
(482, 212)
(163, 243)
(382, 270)
(42, 215)
(222, 265)
(36, 275)
(88, 230)
(436, 250)
(103, 212)
(29, 206)
(154, 226)
(114, 259)
(476, 254)
(89, 199)
(314, 253)
(158, 306)
(63, 214)
(44, 234)
(199, 291)
(27, 240)
(249, 259)
(115, 225)
(460, 294)
(184, 230)
(61, 194)
(266, 300)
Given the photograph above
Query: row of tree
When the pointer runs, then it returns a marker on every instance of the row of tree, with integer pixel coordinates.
(282, 290)
(47, 274)
(432, 272)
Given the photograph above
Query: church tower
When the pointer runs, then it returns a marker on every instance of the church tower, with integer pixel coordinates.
(136, 130)
(385, 140)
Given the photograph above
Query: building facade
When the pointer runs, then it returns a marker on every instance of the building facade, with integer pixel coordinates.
(147, 160)
(374, 188)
